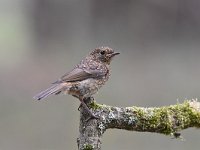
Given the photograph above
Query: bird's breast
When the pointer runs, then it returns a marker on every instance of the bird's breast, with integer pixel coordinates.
(88, 87)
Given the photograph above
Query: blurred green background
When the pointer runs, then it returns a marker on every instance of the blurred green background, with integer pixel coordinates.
(40, 40)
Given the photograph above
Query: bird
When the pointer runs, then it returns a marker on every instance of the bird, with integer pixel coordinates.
(85, 79)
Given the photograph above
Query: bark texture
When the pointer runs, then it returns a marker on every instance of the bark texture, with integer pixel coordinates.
(168, 120)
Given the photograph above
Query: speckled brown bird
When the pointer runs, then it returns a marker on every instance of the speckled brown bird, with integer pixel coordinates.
(85, 79)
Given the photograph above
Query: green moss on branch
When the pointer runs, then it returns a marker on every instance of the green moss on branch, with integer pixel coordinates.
(166, 120)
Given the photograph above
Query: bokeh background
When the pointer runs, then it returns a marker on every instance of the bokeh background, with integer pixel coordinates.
(40, 40)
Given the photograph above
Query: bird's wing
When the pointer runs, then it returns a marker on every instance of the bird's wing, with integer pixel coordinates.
(79, 74)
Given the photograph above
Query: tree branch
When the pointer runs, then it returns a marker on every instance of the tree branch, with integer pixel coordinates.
(168, 120)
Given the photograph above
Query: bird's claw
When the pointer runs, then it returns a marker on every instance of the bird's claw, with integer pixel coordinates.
(92, 117)
(79, 107)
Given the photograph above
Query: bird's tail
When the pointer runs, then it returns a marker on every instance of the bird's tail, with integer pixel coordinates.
(54, 89)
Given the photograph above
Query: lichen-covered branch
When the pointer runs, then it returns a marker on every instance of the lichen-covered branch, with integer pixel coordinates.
(168, 120)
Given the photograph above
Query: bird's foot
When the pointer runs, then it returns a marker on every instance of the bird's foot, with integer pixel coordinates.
(83, 104)
(92, 116)
(91, 99)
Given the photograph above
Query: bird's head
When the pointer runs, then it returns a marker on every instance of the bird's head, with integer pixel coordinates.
(103, 54)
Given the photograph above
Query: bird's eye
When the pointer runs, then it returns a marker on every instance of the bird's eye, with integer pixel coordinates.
(102, 52)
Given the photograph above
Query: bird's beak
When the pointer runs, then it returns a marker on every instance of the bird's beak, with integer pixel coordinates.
(115, 53)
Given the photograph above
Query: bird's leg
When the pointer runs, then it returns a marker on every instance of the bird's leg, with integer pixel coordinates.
(90, 98)
(85, 100)
(87, 109)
